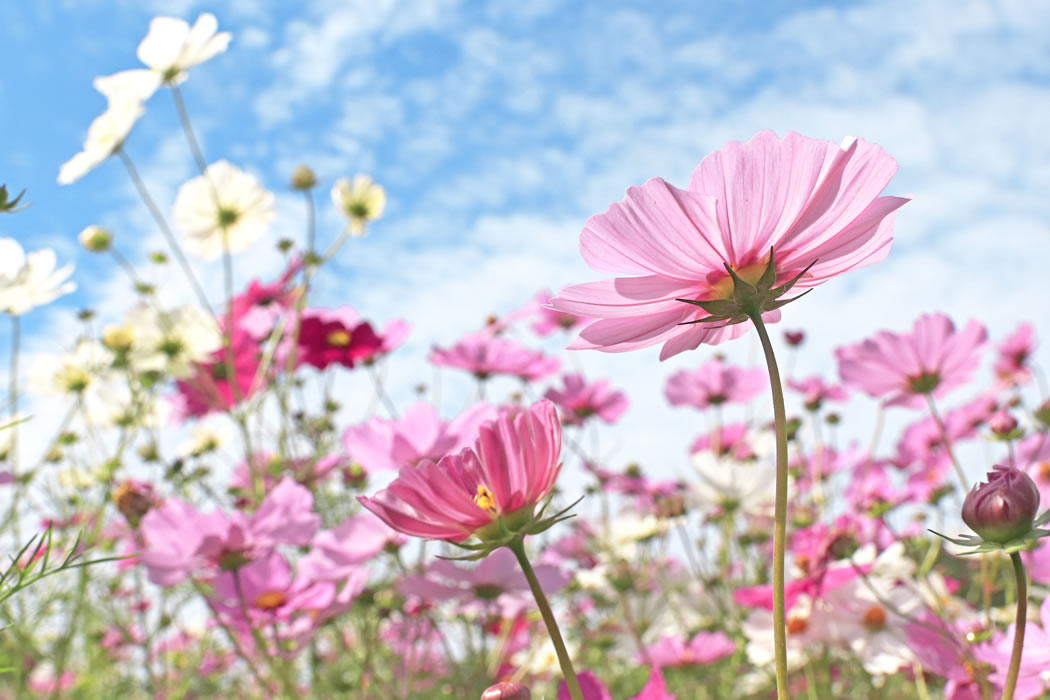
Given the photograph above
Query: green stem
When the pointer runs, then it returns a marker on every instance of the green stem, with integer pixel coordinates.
(1022, 615)
(518, 547)
(780, 510)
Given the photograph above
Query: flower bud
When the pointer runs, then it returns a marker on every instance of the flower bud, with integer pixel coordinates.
(506, 691)
(1002, 509)
(96, 239)
(794, 338)
(303, 178)
(1002, 423)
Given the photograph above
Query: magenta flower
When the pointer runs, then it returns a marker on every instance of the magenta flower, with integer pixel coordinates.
(325, 338)
(590, 686)
(420, 434)
(815, 392)
(809, 201)
(1035, 657)
(713, 384)
(511, 467)
(703, 648)
(1011, 365)
(267, 590)
(903, 368)
(257, 309)
(484, 355)
(210, 389)
(507, 691)
(579, 400)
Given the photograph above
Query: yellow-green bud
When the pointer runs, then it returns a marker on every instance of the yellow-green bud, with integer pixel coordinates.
(96, 239)
(303, 178)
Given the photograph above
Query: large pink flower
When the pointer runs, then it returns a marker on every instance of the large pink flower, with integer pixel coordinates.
(511, 467)
(810, 201)
(714, 383)
(903, 368)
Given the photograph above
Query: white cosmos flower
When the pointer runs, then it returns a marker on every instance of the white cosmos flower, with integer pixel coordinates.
(70, 372)
(359, 201)
(745, 485)
(204, 439)
(169, 341)
(136, 85)
(172, 45)
(104, 137)
(28, 281)
(225, 202)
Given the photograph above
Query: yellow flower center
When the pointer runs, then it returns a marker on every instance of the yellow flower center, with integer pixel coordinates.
(270, 600)
(485, 501)
(338, 339)
(723, 288)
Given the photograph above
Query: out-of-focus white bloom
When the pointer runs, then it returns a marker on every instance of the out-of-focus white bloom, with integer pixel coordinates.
(224, 203)
(172, 45)
(203, 439)
(743, 485)
(629, 528)
(865, 617)
(104, 137)
(136, 85)
(169, 341)
(807, 629)
(69, 372)
(360, 201)
(77, 478)
(541, 658)
(28, 281)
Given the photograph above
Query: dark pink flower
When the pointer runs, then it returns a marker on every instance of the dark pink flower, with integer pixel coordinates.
(420, 434)
(904, 368)
(1011, 365)
(506, 691)
(511, 467)
(810, 201)
(260, 306)
(579, 400)
(325, 339)
(210, 389)
(794, 338)
(714, 383)
(484, 355)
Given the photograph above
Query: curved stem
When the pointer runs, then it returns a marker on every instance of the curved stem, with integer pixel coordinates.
(1022, 615)
(780, 510)
(191, 138)
(518, 547)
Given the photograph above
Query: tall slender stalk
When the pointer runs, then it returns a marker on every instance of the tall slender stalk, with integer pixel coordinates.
(943, 432)
(780, 510)
(567, 671)
(1019, 624)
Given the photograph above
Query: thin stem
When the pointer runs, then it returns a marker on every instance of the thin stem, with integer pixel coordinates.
(780, 510)
(191, 138)
(947, 444)
(518, 547)
(162, 223)
(1022, 615)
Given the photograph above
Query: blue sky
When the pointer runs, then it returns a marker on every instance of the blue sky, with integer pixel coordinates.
(497, 128)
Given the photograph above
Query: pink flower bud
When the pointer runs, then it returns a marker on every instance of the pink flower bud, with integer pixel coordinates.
(506, 691)
(794, 338)
(1002, 423)
(1002, 509)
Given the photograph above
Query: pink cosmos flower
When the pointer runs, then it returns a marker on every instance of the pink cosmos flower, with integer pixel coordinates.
(511, 467)
(714, 383)
(258, 308)
(210, 389)
(703, 648)
(590, 686)
(810, 201)
(904, 367)
(268, 591)
(655, 688)
(550, 320)
(815, 392)
(922, 442)
(1035, 657)
(731, 440)
(325, 338)
(420, 434)
(1011, 366)
(495, 584)
(579, 400)
(484, 355)
(337, 553)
